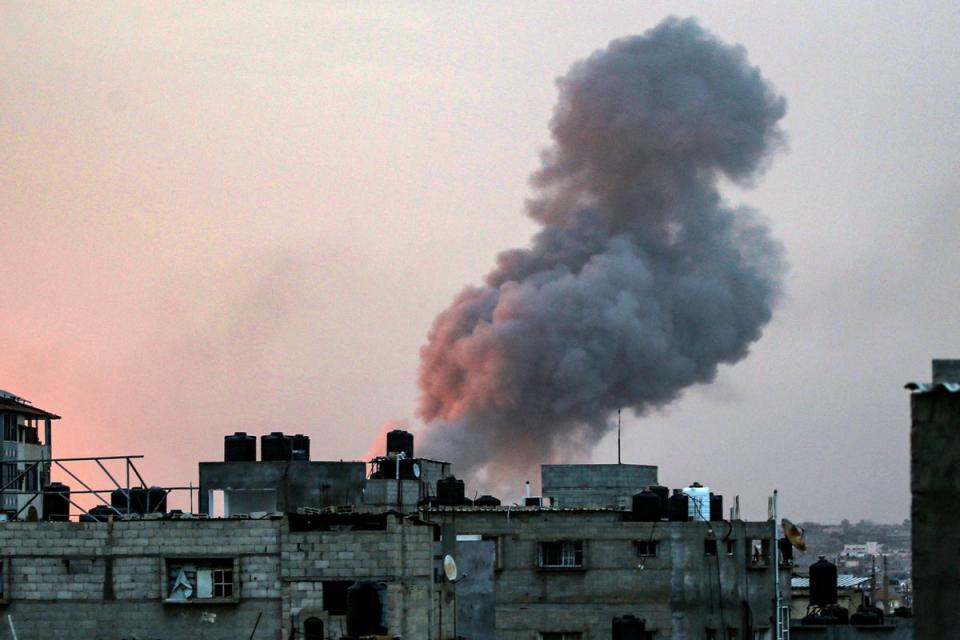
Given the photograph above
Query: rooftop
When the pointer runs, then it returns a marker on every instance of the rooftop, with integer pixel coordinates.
(13, 404)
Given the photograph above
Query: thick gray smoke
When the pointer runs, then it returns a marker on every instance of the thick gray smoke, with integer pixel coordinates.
(642, 280)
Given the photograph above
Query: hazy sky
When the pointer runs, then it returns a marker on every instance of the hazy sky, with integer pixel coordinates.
(245, 217)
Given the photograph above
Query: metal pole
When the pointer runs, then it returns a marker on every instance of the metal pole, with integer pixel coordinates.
(775, 551)
(13, 631)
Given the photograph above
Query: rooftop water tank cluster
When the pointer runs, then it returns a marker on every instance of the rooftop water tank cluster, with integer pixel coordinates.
(275, 446)
(695, 502)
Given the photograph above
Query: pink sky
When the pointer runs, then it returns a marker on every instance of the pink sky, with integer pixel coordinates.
(246, 217)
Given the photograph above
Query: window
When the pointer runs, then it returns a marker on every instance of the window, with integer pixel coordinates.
(710, 547)
(10, 427)
(731, 547)
(561, 554)
(201, 580)
(758, 553)
(335, 596)
(732, 634)
(711, 634)
(647, 548)
(561, 635)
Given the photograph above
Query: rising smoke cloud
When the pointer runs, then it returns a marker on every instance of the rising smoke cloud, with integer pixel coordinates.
(642, 280)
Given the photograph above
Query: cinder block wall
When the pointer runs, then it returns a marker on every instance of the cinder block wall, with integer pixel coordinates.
(104, 580)
(399, 557)
(595, 485)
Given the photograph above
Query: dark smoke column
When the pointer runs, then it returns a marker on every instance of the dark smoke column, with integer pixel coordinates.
(642, 280)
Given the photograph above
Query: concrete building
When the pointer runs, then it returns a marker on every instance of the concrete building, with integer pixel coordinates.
(22, 423)
(935, 512)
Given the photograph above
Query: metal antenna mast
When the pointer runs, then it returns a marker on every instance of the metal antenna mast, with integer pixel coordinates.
(618, 436)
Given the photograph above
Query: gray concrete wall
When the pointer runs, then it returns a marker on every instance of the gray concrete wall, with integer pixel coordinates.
(935, 479)
(595, 485)
(680, 593)
(105, 580)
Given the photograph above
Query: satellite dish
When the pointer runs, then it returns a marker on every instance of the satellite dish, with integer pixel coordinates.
(794, 534)
(450, 568)
(416, 470)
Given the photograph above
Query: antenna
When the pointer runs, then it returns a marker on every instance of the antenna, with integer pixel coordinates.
(618, 436)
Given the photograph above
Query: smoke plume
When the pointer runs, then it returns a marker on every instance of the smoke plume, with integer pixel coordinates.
(642, 280)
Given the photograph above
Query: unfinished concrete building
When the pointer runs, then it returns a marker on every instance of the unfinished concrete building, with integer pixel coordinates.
(935, 512)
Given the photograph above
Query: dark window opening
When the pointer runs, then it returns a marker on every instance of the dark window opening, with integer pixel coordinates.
(561, 554)
(313, 629)
(710, 547)
(335, 596)
(731, 547)
(711, 634)
(759, 553)
(561, 635)
(647, 548)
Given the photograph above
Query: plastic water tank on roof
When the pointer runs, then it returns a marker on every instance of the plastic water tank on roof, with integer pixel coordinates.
(698, 506)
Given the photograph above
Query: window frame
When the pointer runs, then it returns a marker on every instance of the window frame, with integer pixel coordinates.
(215, 563)
(761, 561)
(650, 544)
(577, 551)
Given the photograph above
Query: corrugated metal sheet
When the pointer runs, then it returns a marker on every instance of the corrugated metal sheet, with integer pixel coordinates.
(844, 581)
(927, 387)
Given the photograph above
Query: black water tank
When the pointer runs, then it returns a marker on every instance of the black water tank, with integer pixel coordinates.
(138, 500)
(300, 447)
(275, 446)
(100, 513)
(823, 583)
(867, 615)
(239, 448)
(156, 500)
(56, 502)
(365, 600)
(646, 506)
(450, 492)
(677, 507)
(629, 627)
(486, 501)
(716, 507)
(400, 441)
(118, 499)
(663, 493)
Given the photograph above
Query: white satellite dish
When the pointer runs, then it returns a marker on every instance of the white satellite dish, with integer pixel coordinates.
(450, 568)
(416, 470)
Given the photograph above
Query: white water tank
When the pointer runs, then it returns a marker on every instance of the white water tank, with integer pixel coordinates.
(698, 502)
